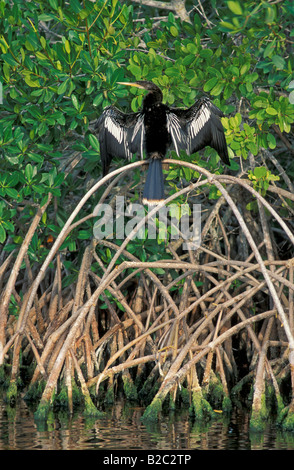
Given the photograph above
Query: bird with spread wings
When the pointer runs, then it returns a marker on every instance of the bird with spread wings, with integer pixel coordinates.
(154, 130)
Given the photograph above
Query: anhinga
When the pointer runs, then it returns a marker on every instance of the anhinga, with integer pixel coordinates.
(156, 129)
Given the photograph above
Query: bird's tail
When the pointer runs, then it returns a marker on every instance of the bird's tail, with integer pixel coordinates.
(154, 186)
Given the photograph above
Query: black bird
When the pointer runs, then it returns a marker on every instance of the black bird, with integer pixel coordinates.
(156, 129)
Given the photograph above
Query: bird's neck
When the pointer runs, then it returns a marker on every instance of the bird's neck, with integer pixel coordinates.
(152, 99)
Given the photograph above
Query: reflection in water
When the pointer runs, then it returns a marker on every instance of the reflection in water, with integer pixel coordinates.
(122, 428)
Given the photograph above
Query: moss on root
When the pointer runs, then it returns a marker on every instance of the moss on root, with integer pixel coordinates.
(185, 396)
(62, 401)
(216, 391)
(11, 393)
(2, 375)
(257, 422)
(130, 389)
(90, 409)
(282, 415)
(285, 418)
(148, 390)
(259, 416)
(152, 411)
(227, 405)
(200, 408)
(280, 409)
(35, 391)
(43, 411)
(109, 395)
(172, 401)
(288, 423)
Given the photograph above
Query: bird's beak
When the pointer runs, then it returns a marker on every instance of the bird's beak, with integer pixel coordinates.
(131, 84)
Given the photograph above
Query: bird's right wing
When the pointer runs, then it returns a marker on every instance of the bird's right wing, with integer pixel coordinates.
(203, 128)
(120, 135)
(177, 132)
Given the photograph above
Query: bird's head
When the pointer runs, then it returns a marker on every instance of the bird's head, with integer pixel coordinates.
(154, 95)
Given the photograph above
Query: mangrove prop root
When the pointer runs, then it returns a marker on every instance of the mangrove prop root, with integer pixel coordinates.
(170, 330)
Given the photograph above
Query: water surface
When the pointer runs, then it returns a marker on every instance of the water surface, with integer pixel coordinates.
(122, 429)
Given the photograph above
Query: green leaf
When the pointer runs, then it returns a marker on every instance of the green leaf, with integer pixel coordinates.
(238, 119)
(135, 69)
(75, 102)
(224, 25)
(245, 68)
(269, 49)
(174, 31)
(251, 206)
(210, 84)
(11, 192)
(98, 100)
(192, 48)
(7, 58)
(41, 56)
(260, 172)
(30, 82)
(272, 111)
(29, 172)
(253, 148)
(54, 4)
(85, 234)
(186, 61)
(94, 142)
(214, 193)
(217, 89)
(260, 104)
(62, 88)
(46, 17)
(271, 141)
(235, 7)
(2, 234)
(206, 53)
(279, 62)
(67, 46)
(58, 179)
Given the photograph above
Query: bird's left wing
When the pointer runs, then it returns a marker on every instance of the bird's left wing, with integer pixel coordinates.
(177, 131)
(120, 135)
(203, 127)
